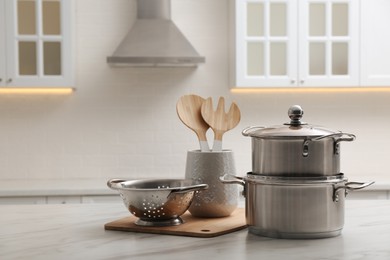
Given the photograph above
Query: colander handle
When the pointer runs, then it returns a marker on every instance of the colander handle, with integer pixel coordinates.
(190, 188)
(115, 183)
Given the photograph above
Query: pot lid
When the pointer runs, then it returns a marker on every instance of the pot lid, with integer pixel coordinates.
(293, 129)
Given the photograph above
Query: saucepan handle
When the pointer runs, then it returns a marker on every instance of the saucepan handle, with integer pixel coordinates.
(339, 137)
(232, 179)
(349, 137)
(351, 186)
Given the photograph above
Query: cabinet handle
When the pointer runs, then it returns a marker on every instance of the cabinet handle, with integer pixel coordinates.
(9, 80)
(302, 81)
(1, 79)
(292, 81)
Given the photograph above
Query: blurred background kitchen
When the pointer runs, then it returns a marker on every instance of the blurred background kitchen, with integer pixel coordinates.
(122, 122)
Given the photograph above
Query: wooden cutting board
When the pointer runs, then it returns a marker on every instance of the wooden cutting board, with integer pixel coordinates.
(192, 226)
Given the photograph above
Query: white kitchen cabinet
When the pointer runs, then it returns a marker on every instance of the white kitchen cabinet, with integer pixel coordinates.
(35, 46)
(63, 200)
(282, 43)
(375, 42)
(101, 199)
(266, 43)
(22, 200)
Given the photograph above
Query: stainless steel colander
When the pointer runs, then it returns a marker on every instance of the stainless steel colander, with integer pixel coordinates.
(157, 202)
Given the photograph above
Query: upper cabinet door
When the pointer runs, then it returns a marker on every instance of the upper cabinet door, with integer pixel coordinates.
(39, 43)
(375, 42)
(282, 43)
(266, 43)
(328, 43)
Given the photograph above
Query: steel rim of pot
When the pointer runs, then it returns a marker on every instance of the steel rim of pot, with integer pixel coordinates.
(292, 180)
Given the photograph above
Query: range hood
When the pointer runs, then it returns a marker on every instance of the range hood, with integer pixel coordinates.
(154, 40)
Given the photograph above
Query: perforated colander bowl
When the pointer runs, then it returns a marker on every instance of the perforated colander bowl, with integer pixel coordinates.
(157, 202)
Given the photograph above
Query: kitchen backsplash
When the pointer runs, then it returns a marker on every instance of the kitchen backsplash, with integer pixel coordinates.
(122, 122)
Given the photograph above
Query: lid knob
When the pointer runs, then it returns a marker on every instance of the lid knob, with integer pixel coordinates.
(295, 113)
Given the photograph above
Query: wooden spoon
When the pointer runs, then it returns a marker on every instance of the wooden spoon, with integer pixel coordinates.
(188, 109)
(220, 121)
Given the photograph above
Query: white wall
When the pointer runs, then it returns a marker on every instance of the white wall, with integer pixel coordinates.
(123, 122)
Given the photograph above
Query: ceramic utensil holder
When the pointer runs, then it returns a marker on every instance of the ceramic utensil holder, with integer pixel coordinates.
(218, 200)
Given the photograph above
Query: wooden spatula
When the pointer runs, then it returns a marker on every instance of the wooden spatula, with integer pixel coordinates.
(188, 109)
(220, 121)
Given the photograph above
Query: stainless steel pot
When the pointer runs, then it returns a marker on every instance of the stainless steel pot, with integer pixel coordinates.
(295, 207)
(296, 148)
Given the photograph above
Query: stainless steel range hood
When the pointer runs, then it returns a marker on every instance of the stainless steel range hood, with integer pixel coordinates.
(154, 40)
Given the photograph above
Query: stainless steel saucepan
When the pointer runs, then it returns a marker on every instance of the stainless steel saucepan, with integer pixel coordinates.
(295, 207)
(296, 148)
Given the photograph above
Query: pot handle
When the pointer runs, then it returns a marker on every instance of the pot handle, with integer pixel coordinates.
(351, 186)
(232, 179)
(185, 189)
(248, 130)
(349, 138)
(115, 184)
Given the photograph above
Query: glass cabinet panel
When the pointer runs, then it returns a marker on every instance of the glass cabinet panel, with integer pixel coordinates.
(255, 18)
(27, 58)
(26, 17)
(340, 19)
(278, 58)
(278, 19)
(255, 54)
(51, 17)
(340, 58)
(317, 60)
(317, 20)
(52, 58)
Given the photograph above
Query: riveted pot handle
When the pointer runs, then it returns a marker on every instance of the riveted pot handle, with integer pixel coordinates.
(341, 137)
(232, 179)
(349, 138)
(249, 129)
(351, 186)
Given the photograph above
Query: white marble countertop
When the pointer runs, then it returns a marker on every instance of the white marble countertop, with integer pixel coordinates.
(77, 232)
(73, 187)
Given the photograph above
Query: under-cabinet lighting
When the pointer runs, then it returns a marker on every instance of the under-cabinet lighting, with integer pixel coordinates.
(56, 91)
(311, 90)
